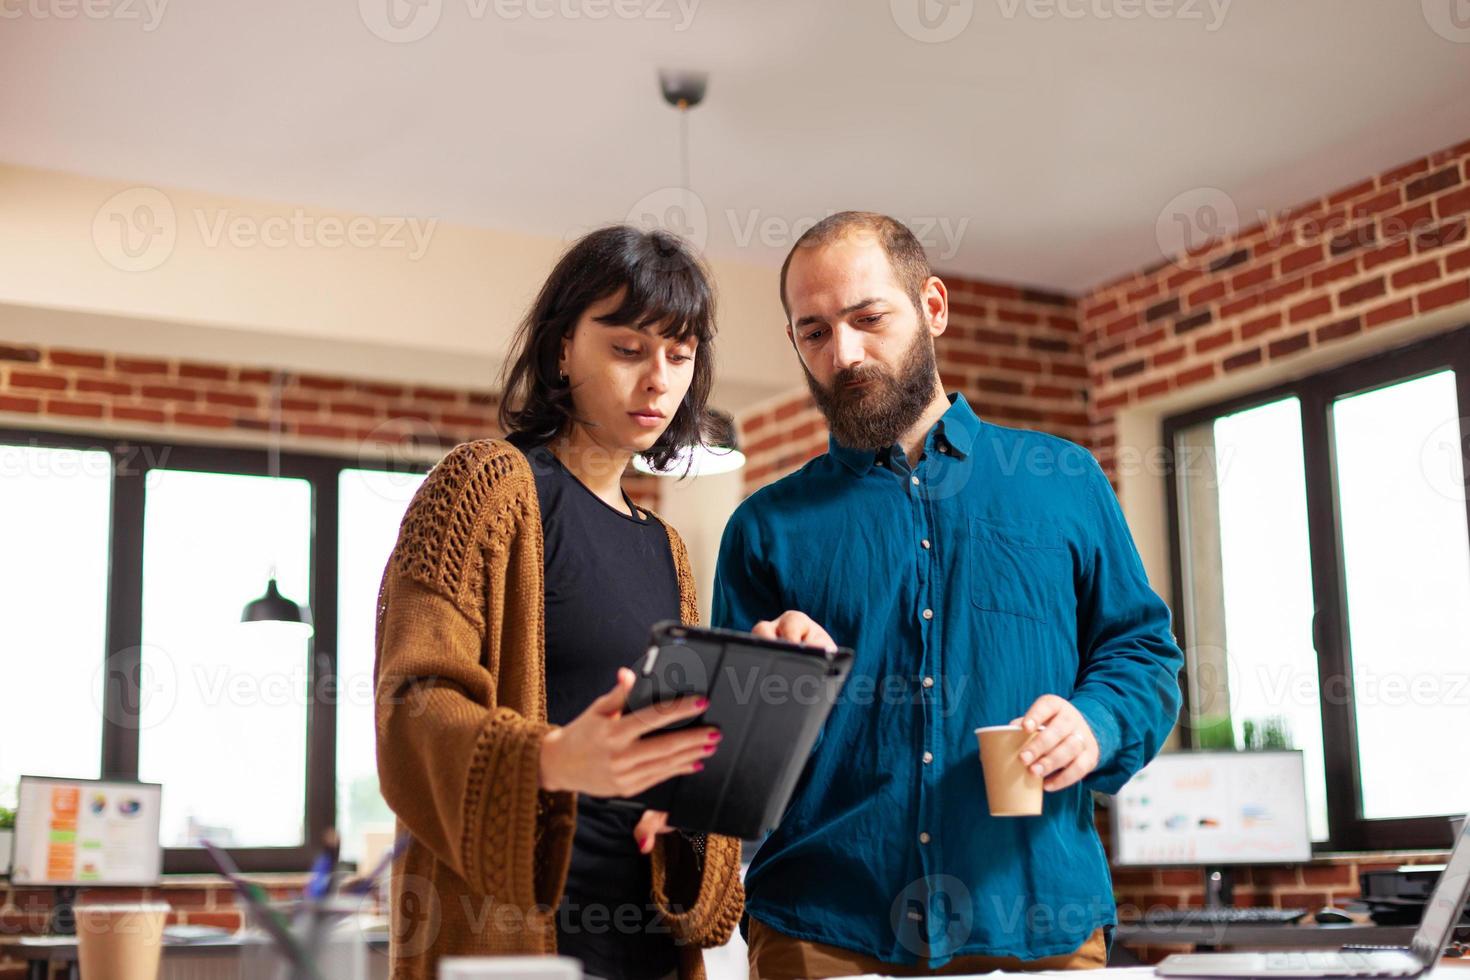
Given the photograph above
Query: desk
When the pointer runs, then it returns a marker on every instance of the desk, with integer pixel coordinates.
(217, 959)
(1306, 935)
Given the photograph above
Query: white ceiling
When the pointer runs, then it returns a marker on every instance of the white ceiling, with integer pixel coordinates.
(1038, 146)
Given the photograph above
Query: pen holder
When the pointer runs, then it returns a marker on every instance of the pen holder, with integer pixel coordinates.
(326, 941)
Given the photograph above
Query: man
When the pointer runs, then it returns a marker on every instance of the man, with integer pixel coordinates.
(984, 575)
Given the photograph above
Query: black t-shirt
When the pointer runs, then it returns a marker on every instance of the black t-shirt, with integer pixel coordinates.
(608, 578)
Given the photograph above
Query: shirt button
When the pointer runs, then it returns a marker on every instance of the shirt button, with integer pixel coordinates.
(924, 837)
(928, 757)
(925, 544)
(928, 682)
(914, 480)
(928, 614)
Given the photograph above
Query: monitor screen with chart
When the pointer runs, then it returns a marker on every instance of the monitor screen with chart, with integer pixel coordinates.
(87, 832)
(1214, 808)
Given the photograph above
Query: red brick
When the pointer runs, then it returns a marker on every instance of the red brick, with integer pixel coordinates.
(204, 419)
(1388, 313)
(30, 355)
(1146, 340)
(1006, 315)
(138, 414)
(33, 379)
(1318, 306)
(75, 409)
(300, 405)
(1454, 202)
(1121, 325)
(253, 376)
(1113, 401)
(1399, 174)
(395, 391)
(1348, 193)
(960, 355)
(1153, 388)
(231, 398)
(1244, 359)
(988, 336)
(1212, 341)
(362, 411)
(1055, 392)
(1290, 345)
(1146, 291)
(1456, 261)
(169, 393)
(318, 382)
(134, 365)
(1194, 375)
(1168, 356)
(1432, 183)
(1340, 329)
(1069, 370)
(477, 422)
(1345, 269)
(77, 359)
(1378, 203)
(1181, 277)
(436, 394)
(1238, 306)
(959, 307)
(9, 403)
(1311, 900)
(1260, 325)
(1328, 874)
(1251, 277)
(1445, 295)
(1301, 258)
(1026, 364)
(1389, 253)
(203, 372)
(1283, 289)
(1206, 294)
(1415, 274)
(1362, 292)
(103, 386)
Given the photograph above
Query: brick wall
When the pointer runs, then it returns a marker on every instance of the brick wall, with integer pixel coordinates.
(1382, 251)
(1015, 353)
(154, 397)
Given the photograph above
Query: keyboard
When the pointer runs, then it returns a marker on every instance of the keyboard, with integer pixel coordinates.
(1334, 962)
(1227, 916)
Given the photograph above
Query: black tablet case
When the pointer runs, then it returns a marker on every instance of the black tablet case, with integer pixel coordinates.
(769, 700)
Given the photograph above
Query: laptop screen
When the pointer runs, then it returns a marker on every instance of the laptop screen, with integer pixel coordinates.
(1443, 909)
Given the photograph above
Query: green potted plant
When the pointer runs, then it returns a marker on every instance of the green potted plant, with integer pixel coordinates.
(7, 838)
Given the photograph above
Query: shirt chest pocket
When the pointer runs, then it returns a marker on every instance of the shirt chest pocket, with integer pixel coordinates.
(1021, 568)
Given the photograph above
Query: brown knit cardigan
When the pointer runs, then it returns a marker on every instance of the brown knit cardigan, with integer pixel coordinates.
(460, 688)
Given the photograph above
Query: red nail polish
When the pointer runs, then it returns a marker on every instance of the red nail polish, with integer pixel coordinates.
(716, 736)
(701, 702)
(698, 766)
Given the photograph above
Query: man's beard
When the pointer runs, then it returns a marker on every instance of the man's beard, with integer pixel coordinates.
(874, 416)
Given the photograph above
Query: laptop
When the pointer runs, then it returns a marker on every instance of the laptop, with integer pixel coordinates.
(1441, 915)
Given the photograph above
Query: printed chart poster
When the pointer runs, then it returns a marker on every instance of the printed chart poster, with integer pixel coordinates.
(1214, 808)
(86, 832)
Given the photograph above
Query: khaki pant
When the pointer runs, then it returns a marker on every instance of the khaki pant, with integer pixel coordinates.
(776, 956)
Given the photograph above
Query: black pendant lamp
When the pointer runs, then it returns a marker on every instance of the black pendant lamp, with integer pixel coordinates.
(274, 610)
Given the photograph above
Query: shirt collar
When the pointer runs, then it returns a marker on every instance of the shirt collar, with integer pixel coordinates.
(956, 428)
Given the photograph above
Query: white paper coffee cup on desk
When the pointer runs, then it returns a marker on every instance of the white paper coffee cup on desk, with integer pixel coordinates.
(1012, 789)
(120, 940)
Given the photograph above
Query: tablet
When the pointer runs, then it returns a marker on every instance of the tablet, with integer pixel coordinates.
(768, 698)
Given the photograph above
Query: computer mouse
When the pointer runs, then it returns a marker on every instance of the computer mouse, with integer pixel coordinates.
(1328, 914)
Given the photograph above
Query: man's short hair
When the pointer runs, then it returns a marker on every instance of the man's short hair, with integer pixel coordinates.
(905, 254)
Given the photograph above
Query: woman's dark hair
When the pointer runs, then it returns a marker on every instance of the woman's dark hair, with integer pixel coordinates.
(667, 288)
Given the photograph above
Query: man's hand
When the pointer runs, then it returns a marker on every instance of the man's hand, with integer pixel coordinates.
(795, 627)
(650, 825)
(1064, 749)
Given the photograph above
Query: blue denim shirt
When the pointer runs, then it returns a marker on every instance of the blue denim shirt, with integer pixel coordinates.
(995, 569)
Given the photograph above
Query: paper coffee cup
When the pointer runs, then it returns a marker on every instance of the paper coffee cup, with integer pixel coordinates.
(1012, 789)
(120, 940)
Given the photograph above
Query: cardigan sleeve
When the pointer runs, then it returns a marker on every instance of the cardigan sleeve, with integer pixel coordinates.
(461, 771)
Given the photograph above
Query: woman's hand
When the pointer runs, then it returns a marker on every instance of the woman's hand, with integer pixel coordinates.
(601, 753)
(650, 825)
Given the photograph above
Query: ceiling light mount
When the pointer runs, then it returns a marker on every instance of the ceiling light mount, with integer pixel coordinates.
(682, 89)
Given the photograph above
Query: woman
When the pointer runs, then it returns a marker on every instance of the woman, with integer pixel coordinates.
(523, 581)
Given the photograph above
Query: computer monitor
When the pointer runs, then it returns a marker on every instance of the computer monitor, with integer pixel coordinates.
(1214, 809)
(86, 832)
